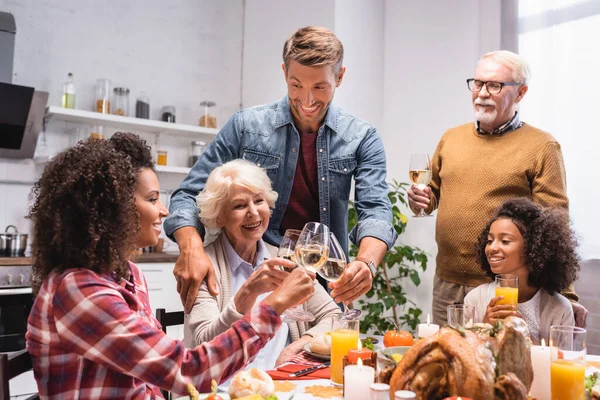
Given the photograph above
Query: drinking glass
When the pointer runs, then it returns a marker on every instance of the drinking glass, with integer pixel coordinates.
(419, 171)
(344, 337)
(333, 269)
(311, 251)
(461, 315)
(567, 369)
(507, 285)
(287, 250)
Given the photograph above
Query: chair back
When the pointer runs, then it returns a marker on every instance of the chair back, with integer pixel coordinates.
(168, 319)
(11, 366)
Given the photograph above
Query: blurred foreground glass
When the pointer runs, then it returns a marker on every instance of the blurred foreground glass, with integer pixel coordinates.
(567, 370)
(344, 337)
(461, 315)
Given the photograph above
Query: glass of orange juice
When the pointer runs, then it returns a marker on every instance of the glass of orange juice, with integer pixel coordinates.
(344, 337)
(507, 285)
(567, 369)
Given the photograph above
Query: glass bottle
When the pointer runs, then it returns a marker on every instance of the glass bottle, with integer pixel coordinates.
(68, 95)
(103, 96)
(208, 119)
(121, 101)
(380, 391)
(142, 106)
(198, 148)
(167, 114)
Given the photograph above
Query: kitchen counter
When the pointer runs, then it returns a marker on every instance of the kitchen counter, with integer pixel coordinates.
(140, 259)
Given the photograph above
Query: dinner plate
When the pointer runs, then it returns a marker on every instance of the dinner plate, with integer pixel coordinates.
(324, 357)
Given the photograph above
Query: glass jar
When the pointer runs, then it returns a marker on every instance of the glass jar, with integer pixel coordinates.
(161, 158)
(97, 132)
(208, 119)
(198, 148)
(167, 114)
(142, 106)
(121, 101)
(103, 96)
(380, 391)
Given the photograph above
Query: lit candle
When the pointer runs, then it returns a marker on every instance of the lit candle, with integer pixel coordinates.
(426, 330)
(540, 360)
(359, 352)
(357, 381)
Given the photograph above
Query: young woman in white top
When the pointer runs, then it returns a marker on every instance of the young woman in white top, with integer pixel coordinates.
(538, 245)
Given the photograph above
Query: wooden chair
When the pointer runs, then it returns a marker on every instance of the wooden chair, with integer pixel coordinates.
(168, 319)
(11, 366)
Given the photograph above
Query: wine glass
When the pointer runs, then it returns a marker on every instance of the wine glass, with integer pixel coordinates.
(333, 269)
(419, 171)
(312, 249)
(287, 248)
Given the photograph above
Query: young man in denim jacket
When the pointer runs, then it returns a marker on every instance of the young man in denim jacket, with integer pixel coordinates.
(310, 149)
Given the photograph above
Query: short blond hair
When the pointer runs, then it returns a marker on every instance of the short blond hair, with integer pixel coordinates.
(314, 46)
(220, 183)
(517, 64)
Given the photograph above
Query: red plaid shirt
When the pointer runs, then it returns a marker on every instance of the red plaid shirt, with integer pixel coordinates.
(91, 337)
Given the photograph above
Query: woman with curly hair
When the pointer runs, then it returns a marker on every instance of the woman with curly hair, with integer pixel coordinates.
(538, 245)
(91, 333)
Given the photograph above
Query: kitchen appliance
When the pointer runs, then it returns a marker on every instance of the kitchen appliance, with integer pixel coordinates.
(13, 244)
(22, 108)
(16, 301)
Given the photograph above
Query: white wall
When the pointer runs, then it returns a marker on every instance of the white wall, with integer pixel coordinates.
(180, 53)
(431, 48)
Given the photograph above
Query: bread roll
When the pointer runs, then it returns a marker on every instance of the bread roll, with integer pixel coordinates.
(252, 381)
(321, 344)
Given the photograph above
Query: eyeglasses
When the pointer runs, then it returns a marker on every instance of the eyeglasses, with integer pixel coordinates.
(493, 87)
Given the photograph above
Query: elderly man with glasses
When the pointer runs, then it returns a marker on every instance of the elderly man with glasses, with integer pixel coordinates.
(477, 166)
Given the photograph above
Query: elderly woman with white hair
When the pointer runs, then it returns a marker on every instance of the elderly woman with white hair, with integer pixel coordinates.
(235, 206)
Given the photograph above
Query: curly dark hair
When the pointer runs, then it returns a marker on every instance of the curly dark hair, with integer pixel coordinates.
(550, 245)
(84, 213)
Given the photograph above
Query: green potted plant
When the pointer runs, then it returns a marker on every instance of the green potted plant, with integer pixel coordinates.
(387, 295)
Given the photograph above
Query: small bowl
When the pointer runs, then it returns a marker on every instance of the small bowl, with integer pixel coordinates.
(383, 361)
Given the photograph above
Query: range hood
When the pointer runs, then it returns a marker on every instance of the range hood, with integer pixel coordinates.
(22, 108)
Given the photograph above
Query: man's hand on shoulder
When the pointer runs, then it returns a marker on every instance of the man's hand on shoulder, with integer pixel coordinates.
(192, 267)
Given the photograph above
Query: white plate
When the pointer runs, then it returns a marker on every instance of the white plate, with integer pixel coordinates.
(225, 396)
(318, 356)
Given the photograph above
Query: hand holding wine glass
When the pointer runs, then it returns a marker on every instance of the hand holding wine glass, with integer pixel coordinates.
(420, 173)
(333, 269)
(287, 247)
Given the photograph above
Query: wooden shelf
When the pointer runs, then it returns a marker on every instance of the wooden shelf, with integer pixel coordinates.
(129, 123)
(173, 170)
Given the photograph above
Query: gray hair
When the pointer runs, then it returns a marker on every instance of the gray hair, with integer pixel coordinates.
(517, 64)
(219, 185)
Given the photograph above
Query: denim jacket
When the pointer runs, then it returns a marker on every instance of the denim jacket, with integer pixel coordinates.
(347, 147)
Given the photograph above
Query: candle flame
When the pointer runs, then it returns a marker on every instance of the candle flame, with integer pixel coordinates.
(428, 319)
(543, 343)
(359, 345)
(359, 363)
(459, 398)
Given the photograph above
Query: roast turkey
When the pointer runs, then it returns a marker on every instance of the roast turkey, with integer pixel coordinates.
(484, 362)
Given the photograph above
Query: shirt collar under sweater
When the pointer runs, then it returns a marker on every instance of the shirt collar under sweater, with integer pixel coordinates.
(513, 124)
(235, 261)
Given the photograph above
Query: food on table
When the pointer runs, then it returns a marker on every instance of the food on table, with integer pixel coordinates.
(213, 391)
(397, 338)
(592, 385)
(250, 382)
(284, 386)
(397, 357)
(467, 361)
(321, 344)
(258, 397)
(368, 342)
(194, 395)
(324, 392)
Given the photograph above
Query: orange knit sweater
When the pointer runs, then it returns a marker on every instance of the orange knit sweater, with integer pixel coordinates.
(474, 174)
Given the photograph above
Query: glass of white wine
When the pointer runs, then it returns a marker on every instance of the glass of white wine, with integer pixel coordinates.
(333, 269)
(419, 171)
(312, 249)
(287, 247)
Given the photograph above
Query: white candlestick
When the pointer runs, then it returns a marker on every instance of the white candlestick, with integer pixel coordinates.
(357, 381)
(426, 330)
(540, 360)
